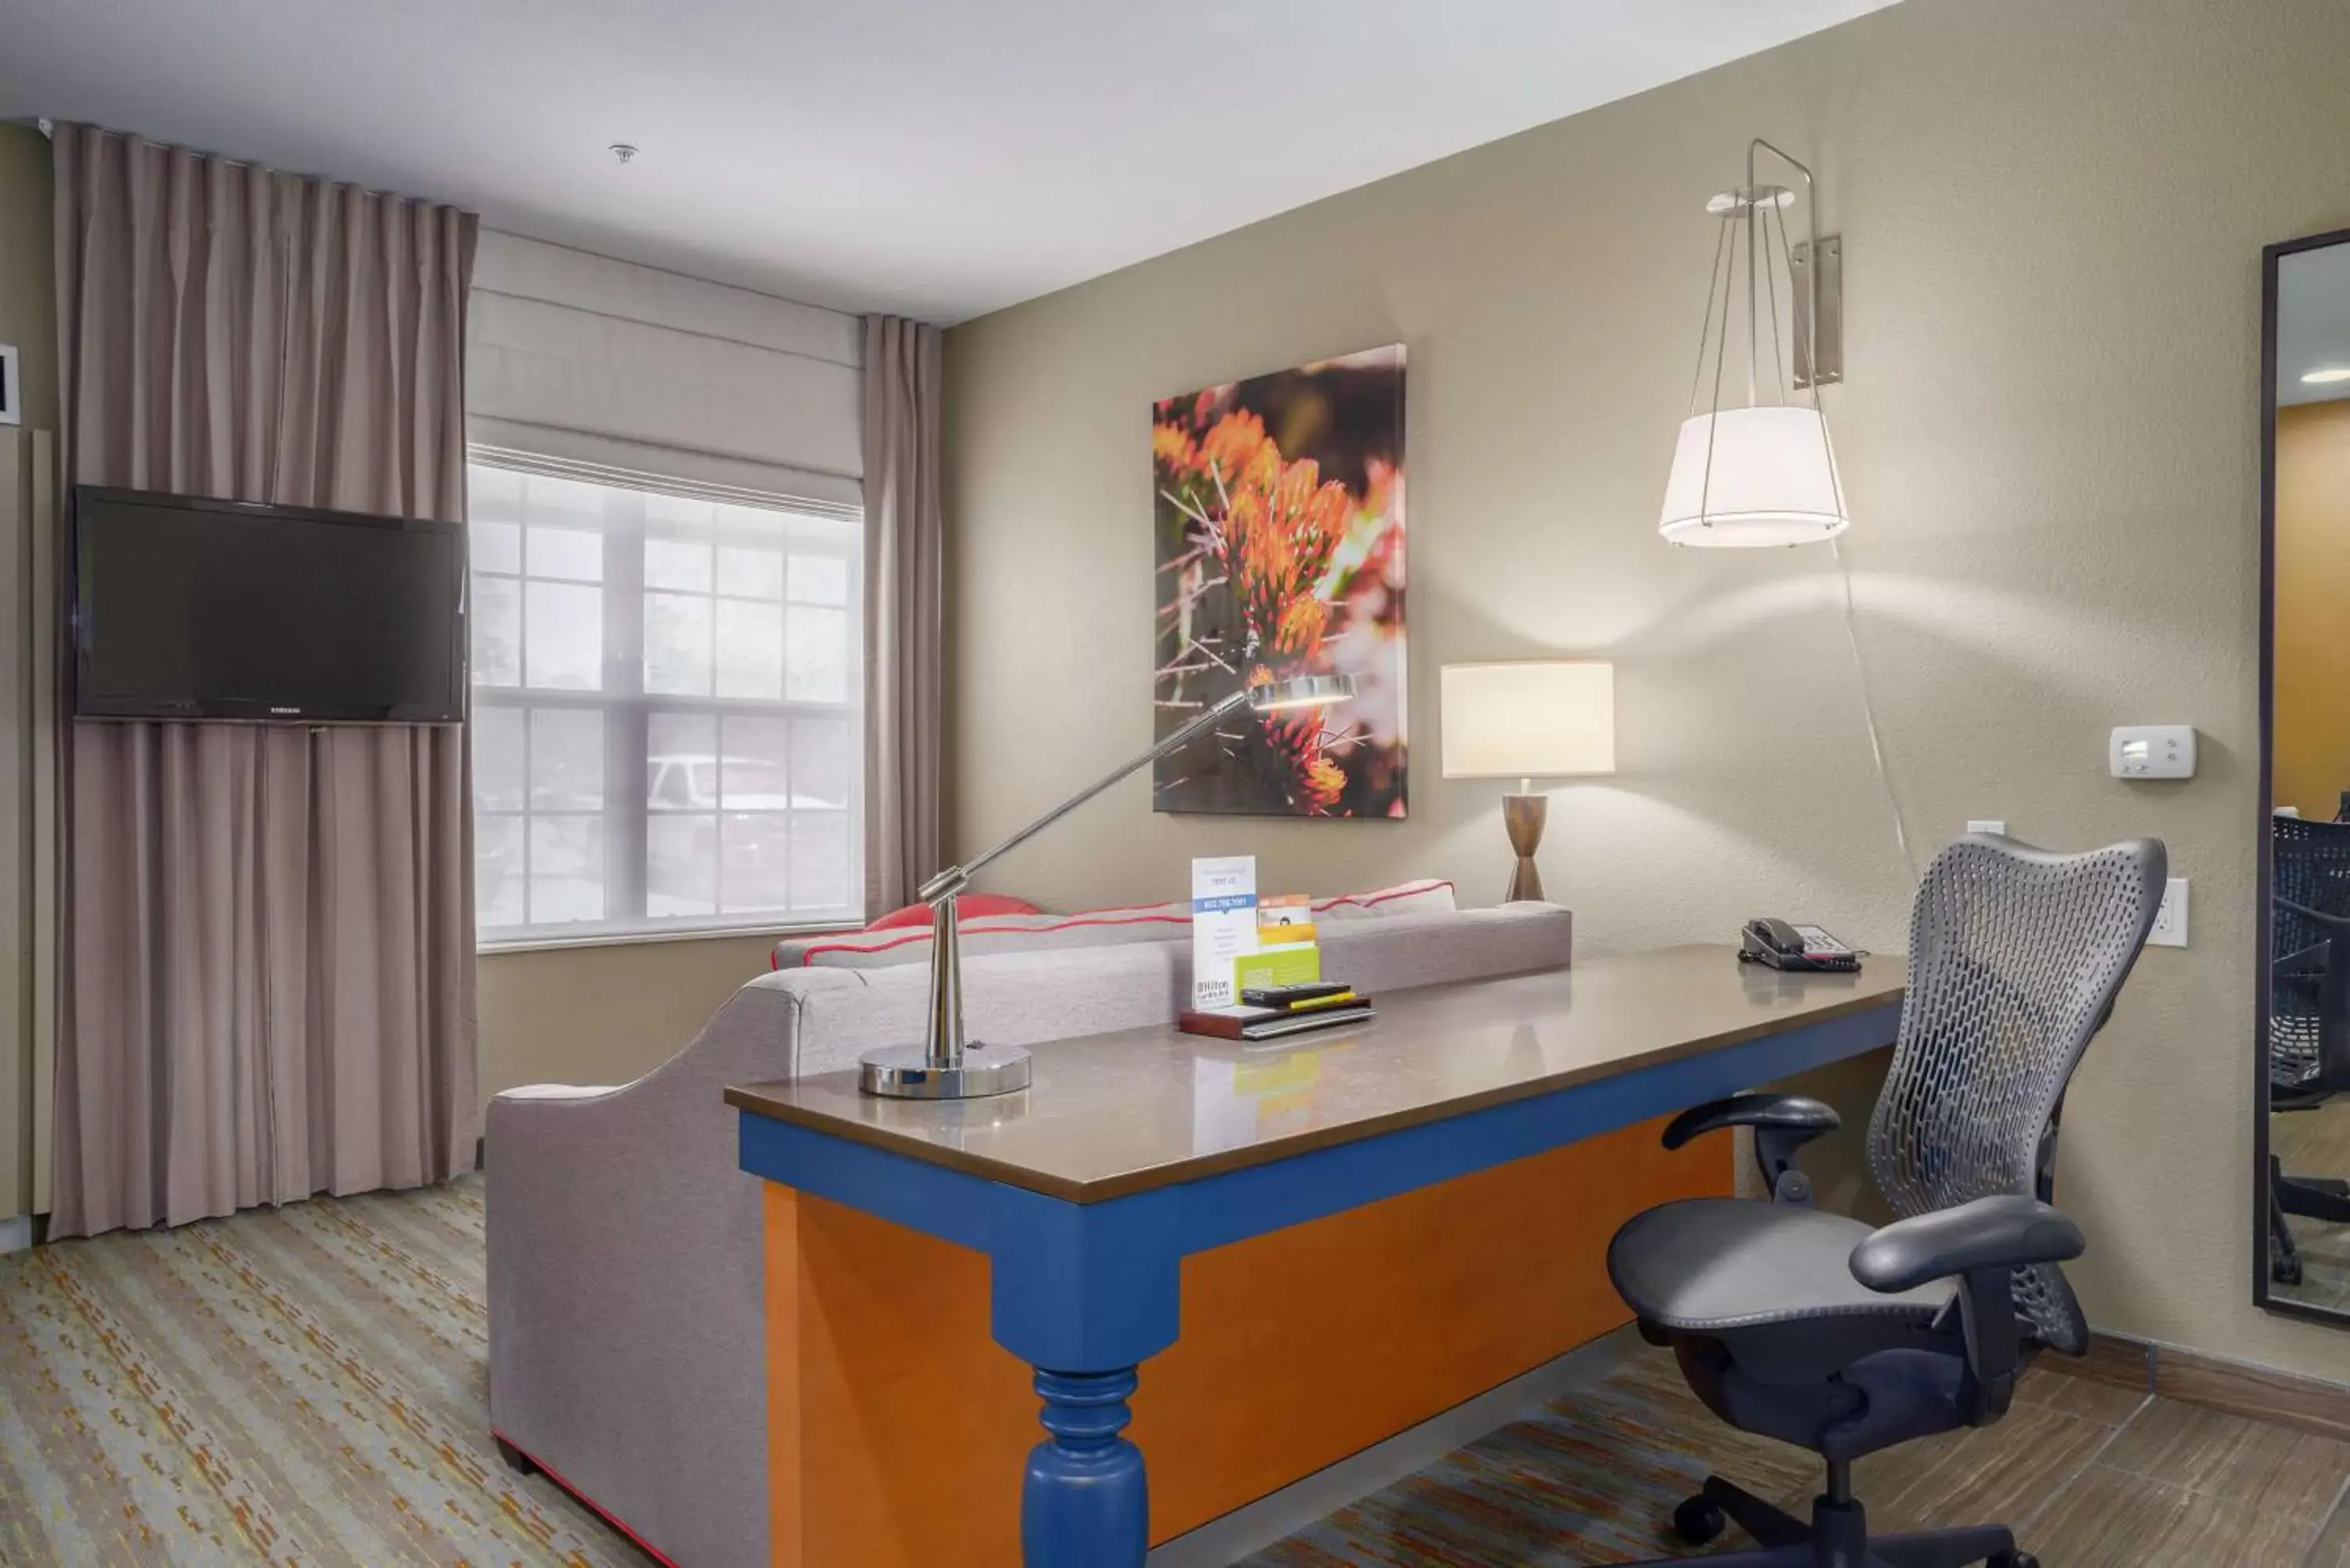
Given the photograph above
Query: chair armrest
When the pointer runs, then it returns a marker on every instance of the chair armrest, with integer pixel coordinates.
(1798, 1113)
(2334, 998)
(2003, 1232)
(2338, 925)
(2308, 961)
(1781, 1123)
(1981, 1244)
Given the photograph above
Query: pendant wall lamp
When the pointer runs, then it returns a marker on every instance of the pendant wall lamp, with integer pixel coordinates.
(1763, 472)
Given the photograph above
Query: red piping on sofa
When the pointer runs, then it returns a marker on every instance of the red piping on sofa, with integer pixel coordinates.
(980, 929)
(551, 1473)
(1404, 892)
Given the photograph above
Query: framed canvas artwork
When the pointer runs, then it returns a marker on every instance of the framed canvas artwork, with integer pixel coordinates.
(1279, 511)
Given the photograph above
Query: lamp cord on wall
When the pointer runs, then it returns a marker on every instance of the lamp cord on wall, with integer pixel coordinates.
(1868, 711)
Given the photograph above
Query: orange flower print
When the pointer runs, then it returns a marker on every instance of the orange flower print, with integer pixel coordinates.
(1274, 566)
(1173, 445)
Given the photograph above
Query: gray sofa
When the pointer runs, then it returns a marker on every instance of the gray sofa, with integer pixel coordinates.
(625, 1247)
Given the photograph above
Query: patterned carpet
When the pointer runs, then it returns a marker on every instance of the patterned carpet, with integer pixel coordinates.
(309, 1385)
(300, 1386)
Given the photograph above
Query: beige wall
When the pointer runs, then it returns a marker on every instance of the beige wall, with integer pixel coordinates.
(28, 321)
(2053, 215)
(2313, 605)
(603, 1014)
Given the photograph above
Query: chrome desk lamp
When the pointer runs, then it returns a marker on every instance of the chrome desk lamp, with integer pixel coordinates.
(946, 1066)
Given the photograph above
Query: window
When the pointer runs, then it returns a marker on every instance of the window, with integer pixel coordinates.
(665, 725)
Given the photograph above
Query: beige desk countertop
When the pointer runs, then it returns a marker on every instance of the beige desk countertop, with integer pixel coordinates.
(1111, 1115)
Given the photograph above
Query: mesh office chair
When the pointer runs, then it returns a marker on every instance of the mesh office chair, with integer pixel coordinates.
(1814, 1329)
(2309, 1011)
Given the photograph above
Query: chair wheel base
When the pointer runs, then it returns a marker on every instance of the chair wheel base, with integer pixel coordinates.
(1699, 1520)
(2013, 1559)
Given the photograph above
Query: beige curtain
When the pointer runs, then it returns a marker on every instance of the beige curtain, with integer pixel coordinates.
(268, 985)
(904, 635)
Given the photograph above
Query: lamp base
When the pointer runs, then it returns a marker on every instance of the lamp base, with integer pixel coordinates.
(905, 1073)
(1524, 815)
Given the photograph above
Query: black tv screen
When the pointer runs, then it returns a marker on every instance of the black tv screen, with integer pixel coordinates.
(185, 607)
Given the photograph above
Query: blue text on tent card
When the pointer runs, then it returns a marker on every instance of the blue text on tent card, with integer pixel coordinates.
(1223, 925)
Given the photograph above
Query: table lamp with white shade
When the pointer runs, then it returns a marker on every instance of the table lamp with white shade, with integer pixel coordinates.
(1529, 719)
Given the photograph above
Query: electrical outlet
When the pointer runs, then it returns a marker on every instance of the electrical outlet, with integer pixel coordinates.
(1987, 827)
(2170, 920)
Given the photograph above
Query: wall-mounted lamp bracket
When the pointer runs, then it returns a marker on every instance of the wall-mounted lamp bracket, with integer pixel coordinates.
(1819, 313)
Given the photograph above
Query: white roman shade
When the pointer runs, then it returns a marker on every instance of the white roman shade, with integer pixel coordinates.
(632, 369)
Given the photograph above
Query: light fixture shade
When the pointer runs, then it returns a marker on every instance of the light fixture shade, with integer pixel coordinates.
(1301, 692)
(1772, 480)
(1546, 719)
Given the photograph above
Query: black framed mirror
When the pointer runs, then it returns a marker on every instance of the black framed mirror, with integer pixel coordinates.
(2301, 1035)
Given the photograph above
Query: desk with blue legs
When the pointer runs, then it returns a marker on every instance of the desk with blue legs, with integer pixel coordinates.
(1086, 1192)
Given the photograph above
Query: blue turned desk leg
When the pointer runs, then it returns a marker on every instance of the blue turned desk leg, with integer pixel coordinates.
(1084, 1293)
(1086, 1504)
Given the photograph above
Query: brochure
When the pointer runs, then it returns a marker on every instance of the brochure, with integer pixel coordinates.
(1223, 926)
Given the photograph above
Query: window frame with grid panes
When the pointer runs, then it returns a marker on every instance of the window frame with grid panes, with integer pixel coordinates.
(667, 723)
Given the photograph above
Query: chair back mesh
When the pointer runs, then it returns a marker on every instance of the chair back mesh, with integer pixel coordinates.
(2015, 956)
(2312, 869)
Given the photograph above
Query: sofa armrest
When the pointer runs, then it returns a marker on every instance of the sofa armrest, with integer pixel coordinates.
(625, 1274)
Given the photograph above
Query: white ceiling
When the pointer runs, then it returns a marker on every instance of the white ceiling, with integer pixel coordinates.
(937, 157)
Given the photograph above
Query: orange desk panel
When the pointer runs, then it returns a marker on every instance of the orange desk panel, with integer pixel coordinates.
(897, 1429)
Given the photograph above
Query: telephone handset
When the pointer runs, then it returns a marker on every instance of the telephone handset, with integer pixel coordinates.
(1810, 949)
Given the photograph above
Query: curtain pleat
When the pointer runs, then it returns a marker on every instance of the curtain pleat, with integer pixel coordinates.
(268, 986)
(904, 606)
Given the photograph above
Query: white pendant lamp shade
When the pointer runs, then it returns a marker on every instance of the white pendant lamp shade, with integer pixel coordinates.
(1754, 477)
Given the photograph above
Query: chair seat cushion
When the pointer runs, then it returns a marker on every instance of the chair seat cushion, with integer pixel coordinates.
(1711, 1264)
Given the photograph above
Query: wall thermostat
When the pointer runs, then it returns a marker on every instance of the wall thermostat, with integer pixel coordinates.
(12, 392)
(2152, 751)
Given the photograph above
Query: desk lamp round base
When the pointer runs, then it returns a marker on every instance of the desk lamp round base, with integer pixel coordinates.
(904, 1073)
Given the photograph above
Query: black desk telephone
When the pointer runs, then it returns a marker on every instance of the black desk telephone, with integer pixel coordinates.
(1779, 945)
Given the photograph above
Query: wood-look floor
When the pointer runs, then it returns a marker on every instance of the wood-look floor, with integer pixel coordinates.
(2317, 1142)
(2089, 1475)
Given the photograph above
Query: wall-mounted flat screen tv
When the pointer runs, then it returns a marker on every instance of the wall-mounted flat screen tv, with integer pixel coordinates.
(186, 608)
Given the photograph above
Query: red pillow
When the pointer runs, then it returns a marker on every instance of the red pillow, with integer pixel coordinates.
(973, 904)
